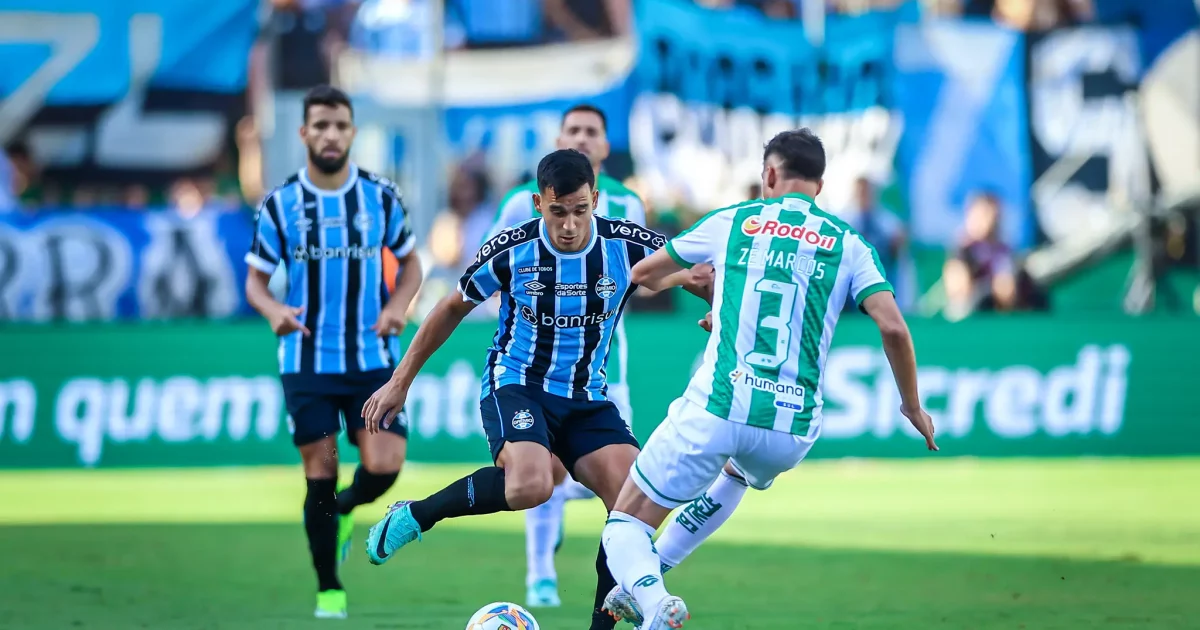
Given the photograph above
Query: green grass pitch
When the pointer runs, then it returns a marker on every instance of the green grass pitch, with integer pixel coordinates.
(971, 544)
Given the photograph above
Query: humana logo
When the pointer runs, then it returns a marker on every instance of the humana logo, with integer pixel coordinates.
(740, 377)
(754, 226)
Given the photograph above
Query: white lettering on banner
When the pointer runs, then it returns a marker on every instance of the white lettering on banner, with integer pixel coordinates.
(18, 406)
(125, 135)
(185, 269)
(1017, 401)
(72, 268)
(91, 411)
(1083, 85)
(713, 152)
(448, 404)
(77, 268)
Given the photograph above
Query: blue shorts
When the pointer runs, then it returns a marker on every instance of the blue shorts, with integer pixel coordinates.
(568, 428)
(317, 403)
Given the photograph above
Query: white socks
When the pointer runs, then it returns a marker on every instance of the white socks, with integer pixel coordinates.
(633, 561)
(696, 521)
(542, 526)
(574, 490)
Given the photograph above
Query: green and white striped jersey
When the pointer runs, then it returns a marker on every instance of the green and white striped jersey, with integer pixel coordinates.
(617, 202)
(784, 268)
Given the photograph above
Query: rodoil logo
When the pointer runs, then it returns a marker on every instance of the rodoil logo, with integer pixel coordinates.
(756, 226)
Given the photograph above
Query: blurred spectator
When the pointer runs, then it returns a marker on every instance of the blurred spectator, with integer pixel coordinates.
(304, 35)
(581, 20)
(1031, 15)
(880, 227)
(780, 9)
(136, 197)
(187, 197)
(983, 274)
(455, 237)
(19, 175)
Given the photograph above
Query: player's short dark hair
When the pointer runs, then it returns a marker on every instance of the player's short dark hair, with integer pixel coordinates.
(328, 96)
(588, 108)
(801, 153)
(566, 171)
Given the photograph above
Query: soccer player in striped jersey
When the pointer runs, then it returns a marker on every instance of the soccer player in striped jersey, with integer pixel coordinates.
(338, 327)
(784, 268)
(564, 282)
(585, 129)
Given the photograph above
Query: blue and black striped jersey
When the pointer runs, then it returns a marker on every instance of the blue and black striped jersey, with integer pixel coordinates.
(558, 310)
(331, 244)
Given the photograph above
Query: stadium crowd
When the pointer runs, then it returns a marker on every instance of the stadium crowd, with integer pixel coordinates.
(299, 38)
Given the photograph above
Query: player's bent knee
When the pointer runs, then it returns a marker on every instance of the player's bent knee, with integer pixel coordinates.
(528, 490)
(320, 458)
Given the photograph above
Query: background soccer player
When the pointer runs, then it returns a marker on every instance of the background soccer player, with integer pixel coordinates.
(564, 282)
(784, 268)
(337, 328)
(585, 129)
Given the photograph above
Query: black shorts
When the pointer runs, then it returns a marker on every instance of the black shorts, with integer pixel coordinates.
(568, 428)
(318, 402)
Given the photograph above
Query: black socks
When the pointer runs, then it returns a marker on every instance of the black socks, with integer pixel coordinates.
(321, 525)
(604, 583)
(367, 487)
(481, 492)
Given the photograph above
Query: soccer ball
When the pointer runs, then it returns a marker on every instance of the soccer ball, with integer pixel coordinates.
(502, 616)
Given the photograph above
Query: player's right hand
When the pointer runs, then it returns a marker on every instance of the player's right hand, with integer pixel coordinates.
(284, 321)
(922, 423)
(383, 406)
(706, 323)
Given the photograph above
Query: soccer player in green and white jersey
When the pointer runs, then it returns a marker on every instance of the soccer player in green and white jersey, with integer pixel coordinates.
(784, 268)
(585, 129)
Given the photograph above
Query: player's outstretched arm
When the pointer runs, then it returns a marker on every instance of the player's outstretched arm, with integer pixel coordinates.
(283, 318)
(659, 271)
(386, 403)
(902, 356)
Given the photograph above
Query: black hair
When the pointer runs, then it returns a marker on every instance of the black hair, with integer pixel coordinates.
(328, 96)
(565, 171)
(591, 109)
(801, 153)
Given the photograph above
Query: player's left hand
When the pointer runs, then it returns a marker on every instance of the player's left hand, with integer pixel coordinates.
(383, 406)
(706, 323)
(390, 323)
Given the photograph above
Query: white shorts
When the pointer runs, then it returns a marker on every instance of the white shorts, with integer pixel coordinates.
(686, 452)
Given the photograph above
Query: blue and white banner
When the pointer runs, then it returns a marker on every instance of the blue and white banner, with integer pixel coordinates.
(714, 86)
(95, 85)
(515, 135)
(960, 87)
(117, 264)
